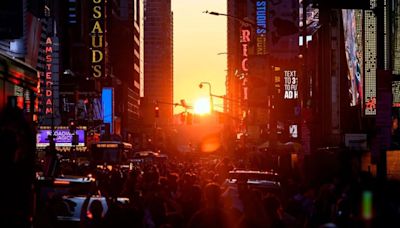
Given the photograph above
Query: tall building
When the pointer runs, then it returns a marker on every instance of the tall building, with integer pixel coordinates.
(238, 53)
(124, 41)
(260, 35)
(158, 62)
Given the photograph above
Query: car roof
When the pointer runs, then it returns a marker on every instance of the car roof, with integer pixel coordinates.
(254, 177)
(66, 180)
(78, 201)
(147, 153)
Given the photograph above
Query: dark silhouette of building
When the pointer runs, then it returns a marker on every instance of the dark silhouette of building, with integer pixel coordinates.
(158, 62)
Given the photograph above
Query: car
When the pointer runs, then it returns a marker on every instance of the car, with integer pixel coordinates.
(65, 195)
(266, 179)
(47, 187)
(71, 206)
(148, 157)
(242, 181)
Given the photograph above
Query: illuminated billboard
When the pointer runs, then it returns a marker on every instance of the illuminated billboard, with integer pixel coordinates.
(49, 78)
(370, 62)
(261, 31)
(291, 82)
(97, 38)
(63, 137)
(353, 50)
(107, 102)
(49, 96)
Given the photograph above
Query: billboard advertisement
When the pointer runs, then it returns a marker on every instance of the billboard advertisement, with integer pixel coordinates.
(283, 28)
(63, 137)
(354, 55)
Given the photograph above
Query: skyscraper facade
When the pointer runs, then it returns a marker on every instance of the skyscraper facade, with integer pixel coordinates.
(238, 52)
(124, 38)
(158, 62)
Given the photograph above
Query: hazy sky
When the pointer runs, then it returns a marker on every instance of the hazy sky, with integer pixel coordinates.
(198, 38)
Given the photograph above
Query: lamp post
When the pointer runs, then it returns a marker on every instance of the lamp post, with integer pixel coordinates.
(209, 93)
(238, 78)
(231, 16)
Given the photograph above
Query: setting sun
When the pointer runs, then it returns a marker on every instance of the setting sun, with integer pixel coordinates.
(202, 106)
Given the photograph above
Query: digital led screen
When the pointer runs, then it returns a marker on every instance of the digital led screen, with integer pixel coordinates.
(353, 57)
(63, 137)
(291, 82)
(370, 62)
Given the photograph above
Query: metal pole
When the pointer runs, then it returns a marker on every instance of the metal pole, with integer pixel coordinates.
(210, 94)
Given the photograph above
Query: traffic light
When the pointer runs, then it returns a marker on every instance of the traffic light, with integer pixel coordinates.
(72, 127)
(156, 111)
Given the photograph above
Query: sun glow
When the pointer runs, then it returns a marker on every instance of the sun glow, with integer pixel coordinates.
(202, 106)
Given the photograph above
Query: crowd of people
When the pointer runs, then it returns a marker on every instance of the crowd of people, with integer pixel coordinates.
(190, 193)
(194, 193)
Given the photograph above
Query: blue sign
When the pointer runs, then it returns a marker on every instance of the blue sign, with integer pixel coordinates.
(107, 103)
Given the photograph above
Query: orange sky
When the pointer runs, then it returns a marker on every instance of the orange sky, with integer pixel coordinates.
(198, 38)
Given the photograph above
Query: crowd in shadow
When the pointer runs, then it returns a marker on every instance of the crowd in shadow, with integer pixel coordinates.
(189, 193)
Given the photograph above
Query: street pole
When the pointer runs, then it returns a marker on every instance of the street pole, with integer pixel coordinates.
(231, 16)
(209, 93)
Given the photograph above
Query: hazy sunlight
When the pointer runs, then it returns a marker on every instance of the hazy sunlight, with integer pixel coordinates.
(202, 106)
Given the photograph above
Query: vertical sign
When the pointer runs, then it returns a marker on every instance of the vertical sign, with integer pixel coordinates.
(261, 30)
(97, 38)
(353, 56)
(48, 106)
(370, 60)
(107, 98)
(245, 40)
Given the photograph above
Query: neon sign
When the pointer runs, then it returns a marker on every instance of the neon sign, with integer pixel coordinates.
(49, 77)
(97, 35)
(261, 31)
(245, 39)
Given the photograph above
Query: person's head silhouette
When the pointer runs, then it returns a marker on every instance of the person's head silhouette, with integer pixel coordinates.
(17, 143)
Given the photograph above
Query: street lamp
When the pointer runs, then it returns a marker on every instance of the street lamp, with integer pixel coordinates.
(209, 93)
(231, 16)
